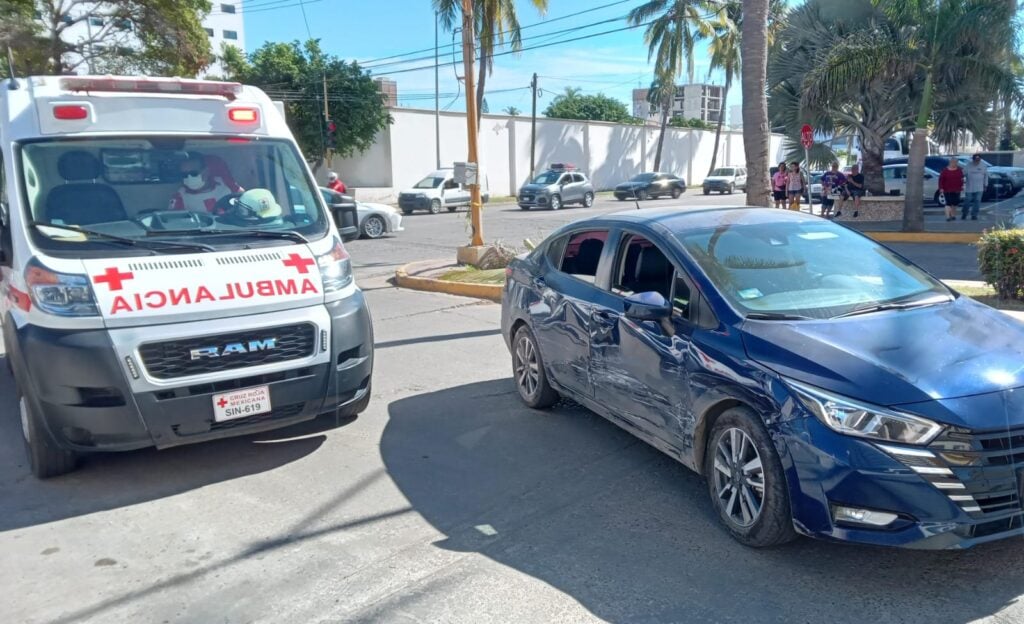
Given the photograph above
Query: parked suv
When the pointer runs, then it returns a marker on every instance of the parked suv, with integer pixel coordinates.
(726, 180)
(558, 186)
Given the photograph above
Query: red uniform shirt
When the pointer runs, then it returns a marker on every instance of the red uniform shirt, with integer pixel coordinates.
(337, 186)
(951, 180)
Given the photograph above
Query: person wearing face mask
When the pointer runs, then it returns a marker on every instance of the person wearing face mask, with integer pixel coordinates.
(200, 190)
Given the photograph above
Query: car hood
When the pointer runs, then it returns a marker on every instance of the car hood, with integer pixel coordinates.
(372, 207)
(951, 350)
(534, 188)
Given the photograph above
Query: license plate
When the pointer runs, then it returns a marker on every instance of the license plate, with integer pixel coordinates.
(241, 403)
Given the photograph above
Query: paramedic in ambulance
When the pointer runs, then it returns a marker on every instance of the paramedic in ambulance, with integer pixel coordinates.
(200, 189)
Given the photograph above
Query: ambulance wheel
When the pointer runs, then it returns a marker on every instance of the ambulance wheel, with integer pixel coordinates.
(45, 458)
(435, 206)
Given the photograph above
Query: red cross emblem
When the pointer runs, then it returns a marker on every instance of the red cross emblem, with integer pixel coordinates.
(113, 278)
(222, 402)
(300, 263)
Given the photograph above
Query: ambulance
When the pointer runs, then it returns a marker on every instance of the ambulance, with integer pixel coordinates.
(169, 272)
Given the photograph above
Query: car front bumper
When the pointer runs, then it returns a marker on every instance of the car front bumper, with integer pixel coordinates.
(826, 469)
(533, 200)
(86, 401)
(716, 186)
(413, 202)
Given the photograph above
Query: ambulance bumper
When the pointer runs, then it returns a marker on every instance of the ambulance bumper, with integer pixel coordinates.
(86, 401)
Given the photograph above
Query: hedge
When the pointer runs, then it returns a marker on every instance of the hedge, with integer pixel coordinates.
(1001, 260)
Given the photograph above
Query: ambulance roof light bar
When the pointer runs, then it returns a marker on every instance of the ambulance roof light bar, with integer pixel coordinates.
(563, 167)
(181, 86)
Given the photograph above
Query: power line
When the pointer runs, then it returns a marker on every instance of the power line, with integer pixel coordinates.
(272, 5)
(504, 32)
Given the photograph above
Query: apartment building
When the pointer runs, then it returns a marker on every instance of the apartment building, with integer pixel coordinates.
(692, 101)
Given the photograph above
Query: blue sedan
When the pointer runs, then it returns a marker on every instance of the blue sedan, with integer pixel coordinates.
(821, 383)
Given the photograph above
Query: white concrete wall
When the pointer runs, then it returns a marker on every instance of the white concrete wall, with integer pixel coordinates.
(609, 153)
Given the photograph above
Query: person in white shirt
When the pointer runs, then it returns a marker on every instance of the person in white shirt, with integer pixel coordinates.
(200, 191)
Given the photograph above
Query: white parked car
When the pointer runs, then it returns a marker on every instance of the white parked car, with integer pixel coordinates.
(896, 182)
(373, 220)
(439, 190)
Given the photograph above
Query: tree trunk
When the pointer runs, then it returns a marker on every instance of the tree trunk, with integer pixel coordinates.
(872, 152)
(661, 136)
(913, 211)
(480, 82)
(756, 131)
(718, 130)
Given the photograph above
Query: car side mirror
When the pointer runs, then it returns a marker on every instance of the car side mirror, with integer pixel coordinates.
(647, 306)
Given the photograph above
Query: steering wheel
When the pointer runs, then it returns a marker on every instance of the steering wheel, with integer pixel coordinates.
(229, 205)
(174, 220)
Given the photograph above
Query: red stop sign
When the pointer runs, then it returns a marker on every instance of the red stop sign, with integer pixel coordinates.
(807, 136)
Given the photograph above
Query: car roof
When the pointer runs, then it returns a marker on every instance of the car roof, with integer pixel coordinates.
(677, 220)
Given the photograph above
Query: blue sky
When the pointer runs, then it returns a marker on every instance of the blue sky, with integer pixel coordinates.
(612, 64)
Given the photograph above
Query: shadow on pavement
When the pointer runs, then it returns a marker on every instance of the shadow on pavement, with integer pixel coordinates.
(109, 480)
(573, 501)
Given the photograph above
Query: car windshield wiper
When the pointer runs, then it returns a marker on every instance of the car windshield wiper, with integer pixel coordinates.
(130, 242)
(776, 316)
(895, 305)
(279, 234)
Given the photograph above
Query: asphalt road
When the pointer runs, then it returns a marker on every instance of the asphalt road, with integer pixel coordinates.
(446, 501)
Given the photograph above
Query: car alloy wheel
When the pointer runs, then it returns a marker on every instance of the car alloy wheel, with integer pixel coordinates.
(435, 206)
(676, 192)
(374, 227)
(556, 202)
(642, 195)
(732, 188)
(526, 366)
(739, 477)
(25, 427)
(588, 200)
(940, 198)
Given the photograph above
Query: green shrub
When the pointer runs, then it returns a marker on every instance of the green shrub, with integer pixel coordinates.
(1001, 260)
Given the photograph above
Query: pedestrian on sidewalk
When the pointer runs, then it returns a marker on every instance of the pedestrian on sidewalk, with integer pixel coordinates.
(855, 187)
(779, 180)
(951, 184)
(335, 184)
(796, 182)
(977, 181)
(831, 181)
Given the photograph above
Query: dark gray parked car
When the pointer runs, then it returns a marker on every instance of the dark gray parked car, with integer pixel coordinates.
(555, 188)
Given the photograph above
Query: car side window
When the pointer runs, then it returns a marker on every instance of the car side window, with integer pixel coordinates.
(682, 297)
(577, 177)
(583, 254)
(565, 179)
(554, 251)
(642, 267)
(450, 184)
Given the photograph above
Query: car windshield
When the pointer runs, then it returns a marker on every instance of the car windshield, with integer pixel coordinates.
(548, 177)
(723, 171)
(810, 269)
(429, 182)
(643, 177)
(88, 192)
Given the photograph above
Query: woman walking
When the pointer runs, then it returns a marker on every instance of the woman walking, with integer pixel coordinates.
(951, 184)
(795, 185)
(779, 182)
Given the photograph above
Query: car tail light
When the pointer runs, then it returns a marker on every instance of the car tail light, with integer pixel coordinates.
(244, 115)
(68, 112)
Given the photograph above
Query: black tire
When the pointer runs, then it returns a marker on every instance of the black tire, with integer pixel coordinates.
(555, 202)
(452, 208)
(940, 198)
(773, 525)
(435, 206)
(707, 191)
(522, 207)
(643, 195)
(676, 192)
(408, 211)
(732, 188)
(45, 458)
(373, 227)
(542, 395)
(588, 199)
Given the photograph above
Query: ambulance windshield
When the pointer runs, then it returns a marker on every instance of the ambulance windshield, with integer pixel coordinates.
(94, 191)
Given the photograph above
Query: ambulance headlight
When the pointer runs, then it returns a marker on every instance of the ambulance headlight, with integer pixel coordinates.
(60, 294)
(335, 268)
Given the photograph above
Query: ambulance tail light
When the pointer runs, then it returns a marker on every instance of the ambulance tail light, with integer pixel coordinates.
(124, 84)
(70, 112)
(60, 294)
(335, 268)
(244, 115)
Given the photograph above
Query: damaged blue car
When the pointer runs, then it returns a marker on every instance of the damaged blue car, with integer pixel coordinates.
(822, 384)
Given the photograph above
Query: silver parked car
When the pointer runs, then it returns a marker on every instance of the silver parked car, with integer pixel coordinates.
(558, 186)
(374, 220)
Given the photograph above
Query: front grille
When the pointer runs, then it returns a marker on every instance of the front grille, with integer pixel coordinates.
(988, 466)
(173, 359)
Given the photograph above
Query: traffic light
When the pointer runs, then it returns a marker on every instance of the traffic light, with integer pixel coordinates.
(330, 138)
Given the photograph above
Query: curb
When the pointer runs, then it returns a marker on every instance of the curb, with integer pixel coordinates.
(406, 278)
(925, 237)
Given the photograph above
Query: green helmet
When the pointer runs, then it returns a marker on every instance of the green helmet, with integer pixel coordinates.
(261, 202)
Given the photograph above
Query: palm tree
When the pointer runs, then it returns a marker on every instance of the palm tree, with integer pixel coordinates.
(512, 111)
(494, 20)
(756, 131)
(673, 29)
(951, 52)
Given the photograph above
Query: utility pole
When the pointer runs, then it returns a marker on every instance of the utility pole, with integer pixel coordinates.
(533, 125)
(468, 54)
(437, 100)
(327, 119)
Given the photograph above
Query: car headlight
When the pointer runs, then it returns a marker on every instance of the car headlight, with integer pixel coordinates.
(852, 417)
(335, 268)
(60, 294)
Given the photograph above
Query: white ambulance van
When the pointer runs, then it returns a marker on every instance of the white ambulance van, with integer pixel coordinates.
(169, 272)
